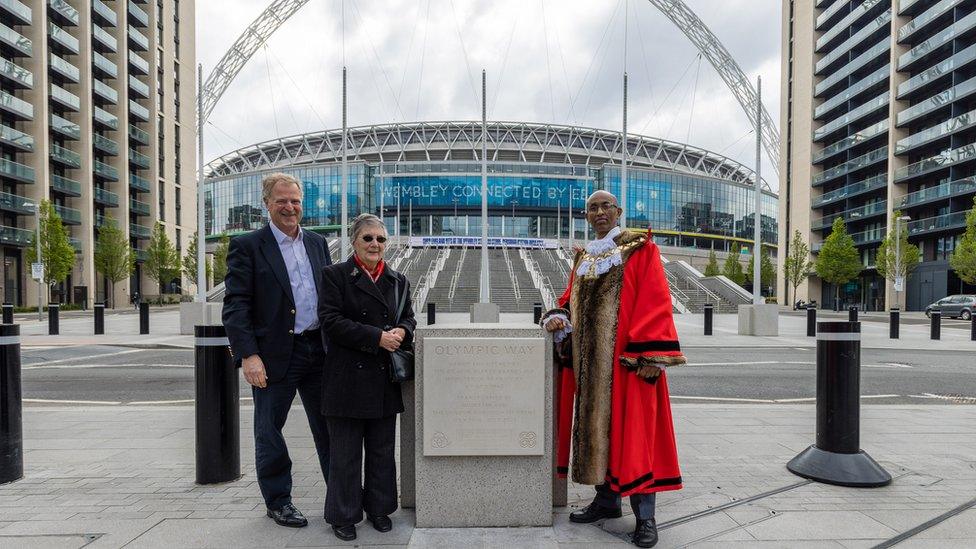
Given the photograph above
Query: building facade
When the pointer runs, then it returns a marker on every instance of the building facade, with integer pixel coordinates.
(98, 117)
(878, 117)
(425, 179)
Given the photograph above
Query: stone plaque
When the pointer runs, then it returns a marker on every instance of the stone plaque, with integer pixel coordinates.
(484, 396)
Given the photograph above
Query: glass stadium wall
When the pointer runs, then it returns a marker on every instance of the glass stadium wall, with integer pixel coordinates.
(524, 200)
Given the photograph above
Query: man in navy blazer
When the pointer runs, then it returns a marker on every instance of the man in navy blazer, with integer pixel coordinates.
(271, 317)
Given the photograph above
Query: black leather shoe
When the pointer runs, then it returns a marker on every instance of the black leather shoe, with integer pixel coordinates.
(645, 535)
(345, 533)
(288, 516)
(381, 523)
(592, 513)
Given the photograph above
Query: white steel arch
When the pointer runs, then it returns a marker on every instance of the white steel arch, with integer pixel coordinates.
(258, 32)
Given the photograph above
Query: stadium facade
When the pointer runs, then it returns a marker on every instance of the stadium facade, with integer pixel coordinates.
(428, 175)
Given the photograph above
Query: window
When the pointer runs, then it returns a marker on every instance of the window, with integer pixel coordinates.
(179, 241)
(178, 206)
(162, 201)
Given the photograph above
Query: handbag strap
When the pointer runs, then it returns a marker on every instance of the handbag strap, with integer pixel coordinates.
(401, 301)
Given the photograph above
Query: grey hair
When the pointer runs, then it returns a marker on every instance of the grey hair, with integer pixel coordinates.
(272, 179)
(363, 221)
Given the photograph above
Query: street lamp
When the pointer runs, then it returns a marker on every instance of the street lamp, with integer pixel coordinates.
(37, 259)
(514, 203)
(899, 279)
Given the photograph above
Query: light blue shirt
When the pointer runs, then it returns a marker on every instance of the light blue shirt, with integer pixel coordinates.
(300, 275)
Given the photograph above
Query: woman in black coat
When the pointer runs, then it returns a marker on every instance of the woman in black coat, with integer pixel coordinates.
(357, 311)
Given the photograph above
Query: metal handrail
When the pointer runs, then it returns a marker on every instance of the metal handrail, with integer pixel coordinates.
(457, 274)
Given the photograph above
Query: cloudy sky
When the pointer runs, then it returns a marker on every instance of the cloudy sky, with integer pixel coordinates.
(555, 61)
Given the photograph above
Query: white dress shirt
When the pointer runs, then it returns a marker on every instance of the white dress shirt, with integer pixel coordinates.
(302, 280)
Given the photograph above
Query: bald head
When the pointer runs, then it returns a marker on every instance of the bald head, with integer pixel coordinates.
(601, 196)
(602, 212)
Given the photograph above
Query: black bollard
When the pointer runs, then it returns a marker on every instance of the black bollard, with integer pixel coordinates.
(811, 321)
(11, 423)
(143, 318)
(53, 325)
(893, 319)
(972, 330)
(936, 325)
(708, 318)
(852, 314)
(99, 318)
(8, 313)
(536, 313)
(836, 457)
(218, 425)
(431, 313)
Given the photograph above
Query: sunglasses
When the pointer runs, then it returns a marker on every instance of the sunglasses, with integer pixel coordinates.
(369, 238)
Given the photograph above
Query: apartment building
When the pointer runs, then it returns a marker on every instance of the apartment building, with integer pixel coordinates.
(98, 116)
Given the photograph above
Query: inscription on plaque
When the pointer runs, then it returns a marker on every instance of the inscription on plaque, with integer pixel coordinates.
(484, 396)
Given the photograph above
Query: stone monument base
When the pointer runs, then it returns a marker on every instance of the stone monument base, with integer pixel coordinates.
(197, 313)
(759, 320)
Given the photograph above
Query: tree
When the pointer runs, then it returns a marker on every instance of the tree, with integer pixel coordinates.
(190, 262)
(768, 275)
(712, 268)
(838, 262)
(732, 269)
(963, 258)
(114, 257)
(57, 253)
(220, 259)
(889, 265)
(797, 264)
(162, 259)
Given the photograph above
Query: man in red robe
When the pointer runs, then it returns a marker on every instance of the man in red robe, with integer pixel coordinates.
(615, 334)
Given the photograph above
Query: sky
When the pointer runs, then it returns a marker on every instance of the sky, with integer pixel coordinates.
(548, 61)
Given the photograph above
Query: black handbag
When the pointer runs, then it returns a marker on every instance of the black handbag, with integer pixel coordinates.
(401, 360)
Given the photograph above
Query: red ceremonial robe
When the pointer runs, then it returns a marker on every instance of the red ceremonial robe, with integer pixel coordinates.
(623, 432)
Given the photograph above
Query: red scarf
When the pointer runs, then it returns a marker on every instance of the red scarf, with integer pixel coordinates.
(375, 273)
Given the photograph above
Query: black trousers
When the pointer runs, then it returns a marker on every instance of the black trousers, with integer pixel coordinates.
(643, 504)
(349, 494)
(271, 406)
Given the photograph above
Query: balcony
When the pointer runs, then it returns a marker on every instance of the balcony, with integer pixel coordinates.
(105, 39)
(945, 129)
(106, 145)
(13, 73)
(879, 49)
(945, 222)
(14, 236)
(837, 30)
(854, 214)
(140, 88)
(139, 136)
(137, 15)
(141, 255)
(63, 38)
(852, 165)
(139, 159)
(136, 62)
(75, 243)
(852, 190)
(139, 184)
(853, 140)
(65, 69)
(65, 186)
(105, 171)
(137, 110)
(871, 236)
(934, 73)
(69, 216)
(65, 157)
(65, 98)
(15, 204)
(16, 8)
(137, 40)
(872, 80)
(105, 13)
(105, 118)
(16, 138)
(938, 101)
(945, 190)
(65, 127)
(105, 68)
(137, 207)
(19, 44)
(936, 42)
(940, 161)
(16, 106)
(103, 90)
(139, 231)
(863, 110)
(828, 13)
(106, 198)
(63, 12)
(16, 170)
(926, 17)
(841, 51)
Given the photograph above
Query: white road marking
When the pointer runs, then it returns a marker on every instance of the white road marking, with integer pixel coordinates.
(91, 357)
(888, 365)
(140, 402)
(801, 348)
(773, 401)
(753, 362)
(50, 401)
(46, 366)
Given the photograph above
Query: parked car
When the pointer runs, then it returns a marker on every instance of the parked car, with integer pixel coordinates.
(954, 306)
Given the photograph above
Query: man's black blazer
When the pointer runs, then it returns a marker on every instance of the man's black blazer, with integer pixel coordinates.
(259, 309)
